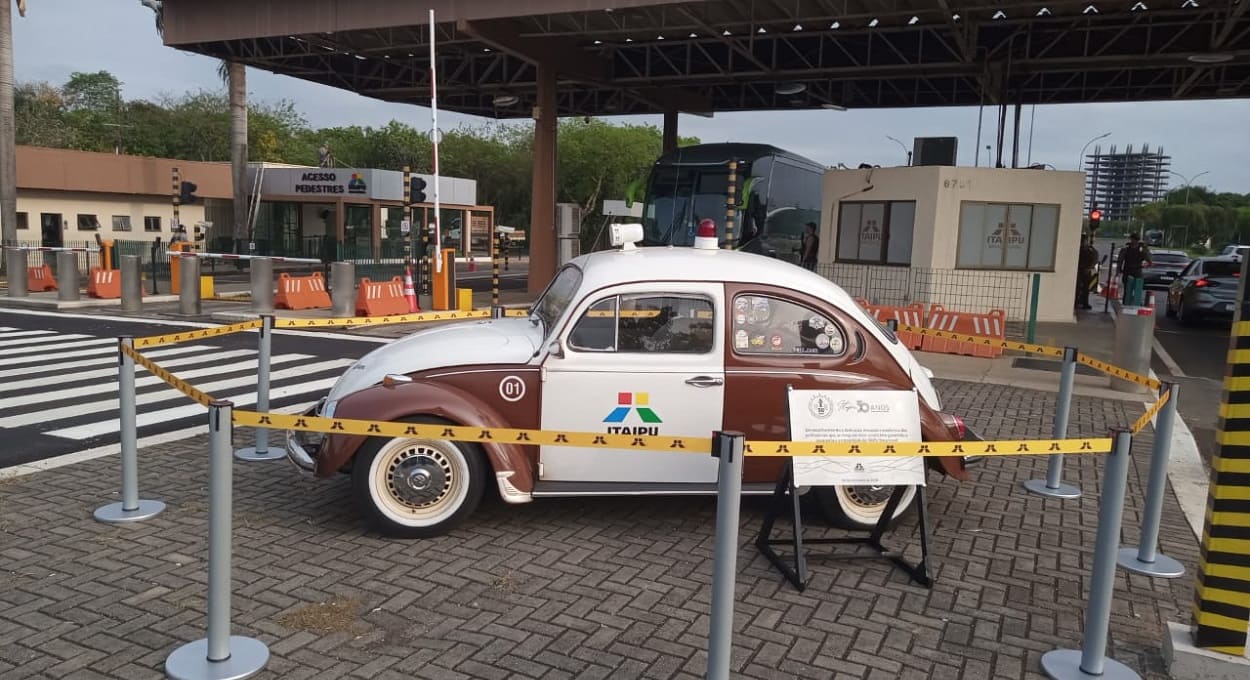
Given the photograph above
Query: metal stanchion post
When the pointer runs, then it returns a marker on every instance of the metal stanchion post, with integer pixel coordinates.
(220, 654)
(1091, 661)
(728, 447)
(130, 509)
(188, 285)
(15, 264)
(1053, 486)
(132, 284)
(66, 276)
(262, 451)
(262, 285)
(498, 311)
(1145, 558)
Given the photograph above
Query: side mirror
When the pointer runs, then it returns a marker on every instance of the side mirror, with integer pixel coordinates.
(555, 349)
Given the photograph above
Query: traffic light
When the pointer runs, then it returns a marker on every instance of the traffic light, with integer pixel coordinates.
(416, 190)
(187, 193)
(1095, 216)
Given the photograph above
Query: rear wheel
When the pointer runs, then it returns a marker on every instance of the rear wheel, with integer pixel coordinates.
(860, 507)
(418, 488)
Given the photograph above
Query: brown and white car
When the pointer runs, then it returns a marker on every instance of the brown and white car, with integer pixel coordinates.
(668, 341)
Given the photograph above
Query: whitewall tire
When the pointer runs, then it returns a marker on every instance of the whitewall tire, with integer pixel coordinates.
(860, 507)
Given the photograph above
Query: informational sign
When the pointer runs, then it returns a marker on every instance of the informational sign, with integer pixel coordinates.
(856, 415)
(405, 227)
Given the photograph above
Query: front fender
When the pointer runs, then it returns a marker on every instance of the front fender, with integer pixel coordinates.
(390, 404)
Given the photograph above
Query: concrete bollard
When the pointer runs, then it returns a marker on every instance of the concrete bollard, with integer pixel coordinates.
(67, 277)
(1134, 340)
(728, 447)
(132, 284)
(342, 289)
(262, 286)
(15, 270)
(189, 286)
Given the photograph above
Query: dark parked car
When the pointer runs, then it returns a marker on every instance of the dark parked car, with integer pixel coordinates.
(1206, 288)
(1165, 266)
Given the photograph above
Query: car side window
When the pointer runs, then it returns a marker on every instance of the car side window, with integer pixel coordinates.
(767, 325)
(647, 323)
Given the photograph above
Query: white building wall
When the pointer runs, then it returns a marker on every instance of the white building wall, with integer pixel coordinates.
(104, 207)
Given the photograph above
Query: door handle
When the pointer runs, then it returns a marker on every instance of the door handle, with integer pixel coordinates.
(705, 381)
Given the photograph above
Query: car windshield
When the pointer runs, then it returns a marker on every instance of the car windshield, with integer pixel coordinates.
(557, 297)
(1221, 268)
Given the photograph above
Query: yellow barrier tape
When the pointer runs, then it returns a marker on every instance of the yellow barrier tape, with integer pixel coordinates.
(983, 340)
(361, 321)
(174, 381)
(1143, 421)
(199, 334)
(703, 445)
(516, 312)
(1113, 370)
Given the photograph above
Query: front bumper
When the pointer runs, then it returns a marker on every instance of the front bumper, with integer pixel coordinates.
(302, 447)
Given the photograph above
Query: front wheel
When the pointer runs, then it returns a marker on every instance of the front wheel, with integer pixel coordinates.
(418, 488)
(860, 507)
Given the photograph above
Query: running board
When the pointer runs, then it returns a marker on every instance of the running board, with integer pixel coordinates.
(642, 489)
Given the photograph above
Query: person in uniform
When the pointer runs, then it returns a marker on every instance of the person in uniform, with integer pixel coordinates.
(1131, 260)
(811, 244)
(1088, 258)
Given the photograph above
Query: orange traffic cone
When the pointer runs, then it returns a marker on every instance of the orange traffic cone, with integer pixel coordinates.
(410, 292)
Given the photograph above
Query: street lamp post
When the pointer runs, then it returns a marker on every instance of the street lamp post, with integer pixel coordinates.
(1188, 182)
(904, 147)
(1081, 163)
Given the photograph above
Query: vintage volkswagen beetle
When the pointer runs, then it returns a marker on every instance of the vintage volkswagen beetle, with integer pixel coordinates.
(669, 341)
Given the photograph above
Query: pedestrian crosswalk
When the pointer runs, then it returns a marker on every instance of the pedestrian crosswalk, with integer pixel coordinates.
(64, 385)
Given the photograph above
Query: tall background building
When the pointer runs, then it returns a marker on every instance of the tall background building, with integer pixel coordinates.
(1118, 181)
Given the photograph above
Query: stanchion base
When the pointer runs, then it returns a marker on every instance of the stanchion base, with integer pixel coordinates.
(114, 513)
(1162, 567)
(251, 455)
(190, 661)
(1038, 486)
(1065, 664)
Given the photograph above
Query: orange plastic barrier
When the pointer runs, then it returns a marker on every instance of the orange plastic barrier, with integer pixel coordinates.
(105, 284)
(301, 292)
(40, 279)
(993, 324)
(381, 298)
(911, 315)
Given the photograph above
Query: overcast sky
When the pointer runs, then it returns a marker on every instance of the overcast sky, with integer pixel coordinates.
(59, 37)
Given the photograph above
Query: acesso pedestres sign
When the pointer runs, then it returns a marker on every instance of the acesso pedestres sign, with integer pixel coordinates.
(329, 182)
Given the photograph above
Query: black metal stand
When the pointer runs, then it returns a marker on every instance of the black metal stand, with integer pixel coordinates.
(797, 575)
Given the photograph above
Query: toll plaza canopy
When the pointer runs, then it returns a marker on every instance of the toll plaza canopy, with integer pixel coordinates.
(549, 58)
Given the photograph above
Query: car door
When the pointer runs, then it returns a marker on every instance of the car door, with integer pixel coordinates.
(637, 359)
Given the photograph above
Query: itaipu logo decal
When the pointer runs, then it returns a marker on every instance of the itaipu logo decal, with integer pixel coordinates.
(356, 185)
(627, 402)
(1005, 234)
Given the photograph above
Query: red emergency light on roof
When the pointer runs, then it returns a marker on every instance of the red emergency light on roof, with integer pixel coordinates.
(705, 238)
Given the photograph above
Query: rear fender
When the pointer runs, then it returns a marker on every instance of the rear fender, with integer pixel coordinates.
(390, 404)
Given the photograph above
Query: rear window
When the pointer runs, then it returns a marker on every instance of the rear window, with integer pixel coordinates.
(1221, 268)
(1168, 258)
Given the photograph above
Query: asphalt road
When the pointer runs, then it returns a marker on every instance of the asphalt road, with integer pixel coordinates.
(58, 382)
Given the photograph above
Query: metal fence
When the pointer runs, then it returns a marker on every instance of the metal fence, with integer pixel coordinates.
(966, 290)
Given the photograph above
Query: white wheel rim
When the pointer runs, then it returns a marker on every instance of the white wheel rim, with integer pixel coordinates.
(418, 483)
(864, 504)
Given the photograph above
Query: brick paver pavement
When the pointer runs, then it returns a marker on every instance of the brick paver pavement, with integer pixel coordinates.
(585, 588)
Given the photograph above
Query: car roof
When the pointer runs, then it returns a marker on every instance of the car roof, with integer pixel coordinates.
(1169, 252)
(683, 263)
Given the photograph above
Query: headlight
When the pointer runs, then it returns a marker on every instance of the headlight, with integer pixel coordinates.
(328, 410)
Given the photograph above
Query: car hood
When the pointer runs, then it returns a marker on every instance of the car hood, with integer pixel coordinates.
(495, 341)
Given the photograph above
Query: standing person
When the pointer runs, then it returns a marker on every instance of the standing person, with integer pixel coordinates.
(1087, 258)
(1134, 256)
(811, 244)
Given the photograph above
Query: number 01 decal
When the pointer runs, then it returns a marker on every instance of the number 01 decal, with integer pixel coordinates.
(512, 388)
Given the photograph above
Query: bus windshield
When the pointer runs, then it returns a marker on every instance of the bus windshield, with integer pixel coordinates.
(681, 196)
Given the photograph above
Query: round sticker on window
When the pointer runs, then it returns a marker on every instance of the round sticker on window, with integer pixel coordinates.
(822, 342)
(836, 343)
(740, 318)
(830, 330)
(741, 304)
(775, 341)
(816, 322)
(760, 311)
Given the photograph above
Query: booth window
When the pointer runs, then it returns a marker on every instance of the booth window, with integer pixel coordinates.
(876, 232)
(121, 222)
(670, 324)
(1013, 236)
(22, 221)
(151, 224)
(88, 222)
